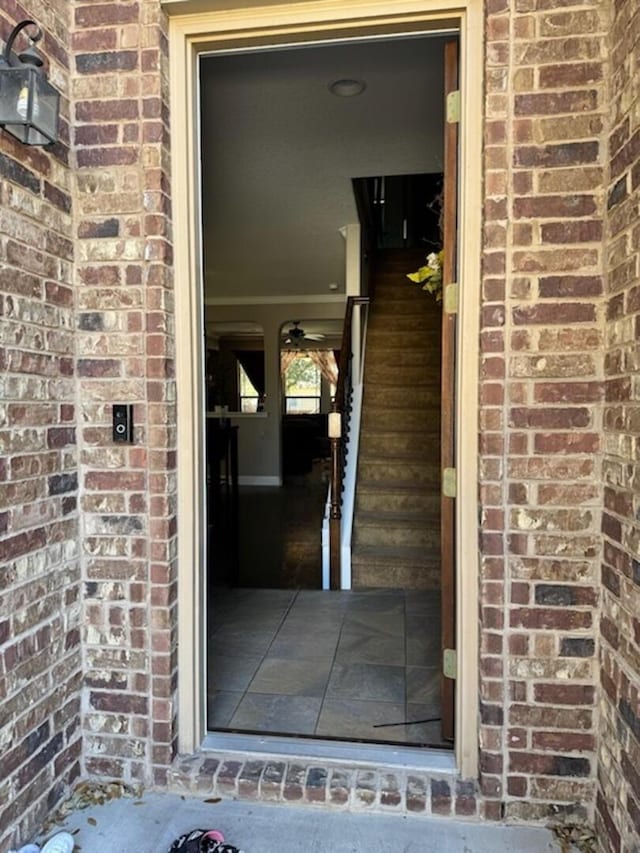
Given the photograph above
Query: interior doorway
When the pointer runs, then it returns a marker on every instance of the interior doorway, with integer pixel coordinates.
(378, 675)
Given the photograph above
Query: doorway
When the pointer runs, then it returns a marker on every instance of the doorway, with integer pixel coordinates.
(285, 134)
(187, 41)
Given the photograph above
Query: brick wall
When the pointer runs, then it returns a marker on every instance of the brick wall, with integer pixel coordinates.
(541, 404)
(40, 659)
(125, 355)
(618, 804)
(543, 371)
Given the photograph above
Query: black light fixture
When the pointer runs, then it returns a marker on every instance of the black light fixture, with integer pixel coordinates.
(29, 104)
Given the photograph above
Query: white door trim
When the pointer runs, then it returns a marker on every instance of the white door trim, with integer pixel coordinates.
(192, 31)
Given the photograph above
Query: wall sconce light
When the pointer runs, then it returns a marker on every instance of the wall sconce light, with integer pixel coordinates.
(29, 104)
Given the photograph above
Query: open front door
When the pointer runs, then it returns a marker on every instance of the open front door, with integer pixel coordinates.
(447, 439)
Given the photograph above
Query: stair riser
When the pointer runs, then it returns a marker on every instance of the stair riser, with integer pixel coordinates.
(389, 341)
(393, 290)
(402, 358)
(389, 473)
(403, 374)
(383, 338)
(387, 501)
(386, 418)
(411, 322)
(386, 536)
(411, 398)
(417, 445)
(395, 577)
(392, 307)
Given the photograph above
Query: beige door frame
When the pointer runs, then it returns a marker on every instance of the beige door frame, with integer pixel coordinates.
(244, 23)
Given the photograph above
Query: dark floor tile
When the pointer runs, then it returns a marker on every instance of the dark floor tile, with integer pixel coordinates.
(226, 672)
(277, 714)
(238, 643)
(373, 654)
(316, 645)
(332, 600)
(317, 624)
(422, 601)
(359, 645)
(368, 682)
(376, 621)
(378, 600)
(422, 732)
(291, 677)
(423, 646)
(221, 706)
(423, 686)
(357, 720)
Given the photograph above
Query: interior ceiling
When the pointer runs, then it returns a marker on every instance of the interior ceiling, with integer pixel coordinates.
(279, 151)
(331, 329)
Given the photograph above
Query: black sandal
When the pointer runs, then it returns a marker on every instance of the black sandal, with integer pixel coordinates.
(202, 841)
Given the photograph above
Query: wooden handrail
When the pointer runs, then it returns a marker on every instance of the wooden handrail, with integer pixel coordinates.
(341, 406)
(344, 366)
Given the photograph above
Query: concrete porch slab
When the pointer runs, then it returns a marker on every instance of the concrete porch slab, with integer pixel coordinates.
(149, 825)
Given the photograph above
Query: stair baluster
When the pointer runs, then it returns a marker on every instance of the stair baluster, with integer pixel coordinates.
(339, 437)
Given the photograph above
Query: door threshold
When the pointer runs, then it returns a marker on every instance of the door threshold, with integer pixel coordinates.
(437, 761)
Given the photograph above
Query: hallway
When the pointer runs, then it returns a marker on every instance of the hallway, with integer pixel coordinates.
(279, 535)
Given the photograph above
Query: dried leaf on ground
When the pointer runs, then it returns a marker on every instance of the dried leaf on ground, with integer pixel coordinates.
(87, 794)
(574, 836)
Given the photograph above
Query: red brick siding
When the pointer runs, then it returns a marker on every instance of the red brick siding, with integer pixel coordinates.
(546, 384)
(541, 397)
(125, 354)
(618, 804)
(40, 658)
(541, 394)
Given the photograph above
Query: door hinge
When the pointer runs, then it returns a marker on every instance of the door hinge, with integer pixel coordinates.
(449, 663)
(453, 107)
(450, 300)
(449, 482)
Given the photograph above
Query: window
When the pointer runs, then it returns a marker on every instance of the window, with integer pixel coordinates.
(302, 383)
(235, 380)
(248, 394)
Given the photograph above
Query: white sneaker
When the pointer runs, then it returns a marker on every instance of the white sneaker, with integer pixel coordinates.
(62, 842)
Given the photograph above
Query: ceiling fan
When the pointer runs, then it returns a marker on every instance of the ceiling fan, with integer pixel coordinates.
(295, 335)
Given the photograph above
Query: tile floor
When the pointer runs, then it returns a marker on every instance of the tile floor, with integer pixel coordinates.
(357, 665)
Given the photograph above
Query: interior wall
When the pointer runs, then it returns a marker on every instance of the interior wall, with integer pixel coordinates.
(279, 152)
(40, 588)
(259, 436)
(618, 803)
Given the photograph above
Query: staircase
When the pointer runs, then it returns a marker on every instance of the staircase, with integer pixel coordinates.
(396, 529)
